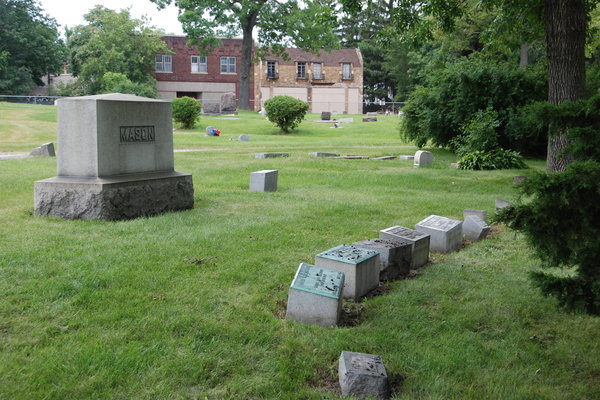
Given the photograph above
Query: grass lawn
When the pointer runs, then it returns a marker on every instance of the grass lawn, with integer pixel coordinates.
(189, 305)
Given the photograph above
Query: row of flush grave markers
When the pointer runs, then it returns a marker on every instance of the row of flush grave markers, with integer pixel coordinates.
(351, 271)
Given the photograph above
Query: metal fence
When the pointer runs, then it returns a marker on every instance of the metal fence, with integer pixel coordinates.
(45, 100)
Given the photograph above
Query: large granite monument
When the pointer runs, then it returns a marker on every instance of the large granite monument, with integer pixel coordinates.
(115, 161)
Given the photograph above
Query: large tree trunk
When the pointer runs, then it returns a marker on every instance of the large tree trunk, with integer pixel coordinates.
(246, 61)
(565, 24)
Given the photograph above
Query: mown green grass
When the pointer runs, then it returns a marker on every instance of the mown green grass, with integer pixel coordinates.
(187, 305)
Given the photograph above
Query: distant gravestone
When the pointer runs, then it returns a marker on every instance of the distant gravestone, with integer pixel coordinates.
(360, 267)
(474, 228)
(372, 114)
(270, 155)
(423, 159)
(115, 161)
(315, 296)
(244, 138)
(500, 204)
(211, 131)
(354, 157)
(418, 240)
(321, 154)
(363, 375)
(369, 119)
(446, 234)
(228, 103)
(263, 181)
(407, 157)
(394, 256)
(211, 108)
(325, 116)
(481, 214)
(385, 158)
(45, 150)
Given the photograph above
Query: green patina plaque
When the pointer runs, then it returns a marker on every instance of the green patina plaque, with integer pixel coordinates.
(320, 281)
(348, 254)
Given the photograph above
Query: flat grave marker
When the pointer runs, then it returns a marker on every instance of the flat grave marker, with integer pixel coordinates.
(363, 375)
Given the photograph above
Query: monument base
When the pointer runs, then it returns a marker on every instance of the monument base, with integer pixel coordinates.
(113, 198)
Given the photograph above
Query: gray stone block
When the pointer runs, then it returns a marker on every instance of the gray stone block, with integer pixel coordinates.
(263, 181)
(474, 228)
(385, 158)
(482, 214)
(271, 155)
(407, 157)
(369, 119)
(315, 296)
(116, 198)
(325, 116)
(211, 108)
(394, 256)
(244, 138)
(363, 375)
(45, 150)
(446, 234)
(418, 240)
(360, 267)
(321, 154)
(210, 131)
(423, 159)
(228, 103)
(500, 204)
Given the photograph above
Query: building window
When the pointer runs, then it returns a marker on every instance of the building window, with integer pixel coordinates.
(228, 65)
(346, 71)
(199, 64)
(164, 63)
(317, 71)
(272, 70)
(301, 70)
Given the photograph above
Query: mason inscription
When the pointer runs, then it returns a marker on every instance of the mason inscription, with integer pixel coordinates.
(134, 134)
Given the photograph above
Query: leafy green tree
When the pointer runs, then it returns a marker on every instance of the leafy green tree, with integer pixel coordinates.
(113, 42)
(306, 24)
(114, 82)
(564, 23)
(29, 46)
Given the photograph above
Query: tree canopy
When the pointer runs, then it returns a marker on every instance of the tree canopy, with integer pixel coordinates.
(113, 42)
(29, 46)
(305, 24)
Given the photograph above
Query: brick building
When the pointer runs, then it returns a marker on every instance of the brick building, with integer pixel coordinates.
(186, 72)
(330, 81)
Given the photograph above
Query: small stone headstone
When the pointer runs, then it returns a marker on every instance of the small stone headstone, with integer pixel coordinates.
(474, 228)
(407, 157)
(394, 256)
(210, 131)
(264, 181)
(244, 138)
(321, 154)
(354, 157)
(418, 240)
(482, 214)
(363, 375)
(45, 150)
(446, 234)
(369, 119)
(228, 103)
(500, 204)
(271, 155)
(423, 159)
(325, 116)
(315, 296)
(360, 267)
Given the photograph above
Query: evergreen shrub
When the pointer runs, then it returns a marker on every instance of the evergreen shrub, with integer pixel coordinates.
(186, 111)
(286, 112)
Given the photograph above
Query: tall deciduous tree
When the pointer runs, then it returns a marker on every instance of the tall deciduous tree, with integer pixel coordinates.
(564, 24)
(29, 46)
(306, 24)
(113, 42)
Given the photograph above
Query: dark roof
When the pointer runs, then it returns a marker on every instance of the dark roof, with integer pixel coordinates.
(331, 57)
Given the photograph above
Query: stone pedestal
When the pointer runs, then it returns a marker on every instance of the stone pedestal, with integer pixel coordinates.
(446, 234)
(115, 161)
(418, 240)
(360, 267)
(315, 296)
(363, 375)
(474, 228)
(394, 256)
(423, 159)
(264, 181)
